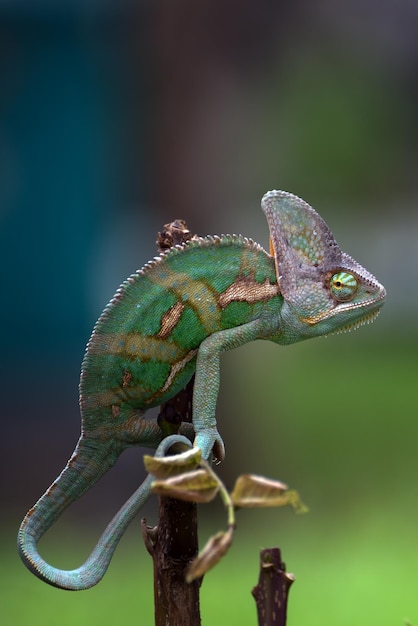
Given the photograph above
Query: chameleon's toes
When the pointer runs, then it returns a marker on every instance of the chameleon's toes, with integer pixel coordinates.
(210, 441)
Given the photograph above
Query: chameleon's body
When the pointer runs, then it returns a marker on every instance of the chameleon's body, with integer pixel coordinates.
(173, 318)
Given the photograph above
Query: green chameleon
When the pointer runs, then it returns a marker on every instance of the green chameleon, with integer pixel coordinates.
(174, 318)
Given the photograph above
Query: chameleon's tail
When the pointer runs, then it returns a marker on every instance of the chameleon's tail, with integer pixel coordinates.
(89, 461)
(76, 478)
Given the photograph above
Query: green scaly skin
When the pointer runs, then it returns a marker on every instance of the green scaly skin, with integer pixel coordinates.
(174, 318)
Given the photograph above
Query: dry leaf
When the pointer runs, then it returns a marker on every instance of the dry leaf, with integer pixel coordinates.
(214, 550)
(254, 491)
(196, 486)
(167, 466)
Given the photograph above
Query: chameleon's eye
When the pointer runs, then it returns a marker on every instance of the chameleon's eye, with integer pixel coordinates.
(343, 286)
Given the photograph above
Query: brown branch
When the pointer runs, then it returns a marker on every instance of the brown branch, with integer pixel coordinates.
(271, 592)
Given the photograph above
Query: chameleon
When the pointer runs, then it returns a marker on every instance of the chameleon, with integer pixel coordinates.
(172, 319)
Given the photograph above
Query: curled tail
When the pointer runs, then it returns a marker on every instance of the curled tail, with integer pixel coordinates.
(77, 477)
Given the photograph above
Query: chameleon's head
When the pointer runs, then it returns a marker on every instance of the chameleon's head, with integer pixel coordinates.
(324, 290)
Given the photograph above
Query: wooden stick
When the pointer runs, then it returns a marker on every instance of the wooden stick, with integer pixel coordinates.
(271, 592)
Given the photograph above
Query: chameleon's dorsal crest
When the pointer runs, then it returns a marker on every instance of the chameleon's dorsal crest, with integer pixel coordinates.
(300, 239)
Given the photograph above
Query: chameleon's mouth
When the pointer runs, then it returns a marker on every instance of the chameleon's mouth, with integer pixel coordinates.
(366, 319)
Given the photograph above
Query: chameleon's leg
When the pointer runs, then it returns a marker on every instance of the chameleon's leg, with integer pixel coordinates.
(206, 386)
(94, 568)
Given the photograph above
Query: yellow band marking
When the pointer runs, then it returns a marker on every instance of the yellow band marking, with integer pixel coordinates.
(190, 292)
(170, 320)
(178, 367)
(247, 289)
(135, 346)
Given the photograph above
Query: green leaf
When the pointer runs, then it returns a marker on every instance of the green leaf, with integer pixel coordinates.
(166, 466)
(195, 486)
(214, 550)
(254, 491)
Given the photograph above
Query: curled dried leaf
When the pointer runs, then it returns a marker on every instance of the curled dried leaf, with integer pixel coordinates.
(195, 486)
(167, 466)
(214, 550)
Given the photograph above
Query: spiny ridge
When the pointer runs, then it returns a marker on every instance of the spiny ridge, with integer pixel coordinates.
(367, 319)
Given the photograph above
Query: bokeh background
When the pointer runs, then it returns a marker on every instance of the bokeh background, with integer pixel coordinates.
(117, 117)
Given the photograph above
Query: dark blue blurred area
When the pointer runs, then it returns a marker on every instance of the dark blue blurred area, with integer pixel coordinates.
(72, 166)
(65, 83)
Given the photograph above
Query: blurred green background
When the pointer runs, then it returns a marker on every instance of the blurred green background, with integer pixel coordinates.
(117, 117)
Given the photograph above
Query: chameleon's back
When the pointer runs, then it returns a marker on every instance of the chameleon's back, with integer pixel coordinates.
(143, 348)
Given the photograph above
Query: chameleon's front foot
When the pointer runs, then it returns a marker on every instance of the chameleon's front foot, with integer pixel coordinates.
(209, 440)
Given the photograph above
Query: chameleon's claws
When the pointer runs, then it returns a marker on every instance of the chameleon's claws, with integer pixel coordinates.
(218, 451)
(210, 441)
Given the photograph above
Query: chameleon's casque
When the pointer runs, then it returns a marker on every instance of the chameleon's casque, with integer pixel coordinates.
(173, 318)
